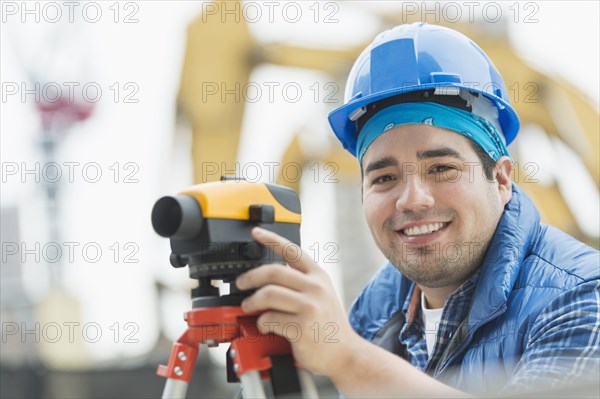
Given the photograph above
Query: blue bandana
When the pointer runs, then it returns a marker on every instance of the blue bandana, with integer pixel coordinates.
(425, 113)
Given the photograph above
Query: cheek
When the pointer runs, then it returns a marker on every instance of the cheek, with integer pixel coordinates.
(375, 208)
(470, 201)
(368, 210)
(465, 184)
(459, 197)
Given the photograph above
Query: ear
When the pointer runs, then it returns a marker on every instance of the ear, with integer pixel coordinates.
(503, 171)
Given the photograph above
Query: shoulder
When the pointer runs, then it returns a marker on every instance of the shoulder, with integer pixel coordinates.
(557, 269)
(559, 260)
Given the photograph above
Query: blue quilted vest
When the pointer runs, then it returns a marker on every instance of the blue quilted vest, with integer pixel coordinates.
(527, 265)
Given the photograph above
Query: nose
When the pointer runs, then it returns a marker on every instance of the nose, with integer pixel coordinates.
(415, 195)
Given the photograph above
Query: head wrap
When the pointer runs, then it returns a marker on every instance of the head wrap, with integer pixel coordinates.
(466, 123)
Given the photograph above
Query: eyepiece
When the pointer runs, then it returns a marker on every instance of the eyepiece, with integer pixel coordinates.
(179, 216)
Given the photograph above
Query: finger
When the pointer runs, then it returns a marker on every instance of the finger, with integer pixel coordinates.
(273, 297)
(272, 274)
(283, 247)
(283, 324)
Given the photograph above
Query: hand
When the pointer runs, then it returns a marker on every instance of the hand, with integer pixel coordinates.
(299, 303)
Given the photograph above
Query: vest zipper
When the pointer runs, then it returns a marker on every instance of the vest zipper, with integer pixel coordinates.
(468, 340)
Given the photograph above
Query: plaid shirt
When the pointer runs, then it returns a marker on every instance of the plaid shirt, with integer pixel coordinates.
(413, 335)
(556, 351)
(563, 343)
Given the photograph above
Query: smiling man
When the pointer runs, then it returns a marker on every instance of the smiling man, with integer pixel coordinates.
(478, 296)
(430, 207)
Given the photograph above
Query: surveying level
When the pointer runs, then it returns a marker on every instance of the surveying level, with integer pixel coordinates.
(209, 227)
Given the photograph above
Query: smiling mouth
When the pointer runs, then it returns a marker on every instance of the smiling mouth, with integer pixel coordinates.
(422, 230)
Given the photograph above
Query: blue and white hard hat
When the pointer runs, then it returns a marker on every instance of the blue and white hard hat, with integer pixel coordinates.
(420, 57)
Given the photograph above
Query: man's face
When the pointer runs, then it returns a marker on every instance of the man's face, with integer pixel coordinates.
(428, 204)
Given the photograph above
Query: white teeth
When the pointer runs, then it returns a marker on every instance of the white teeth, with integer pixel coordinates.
(424, 229)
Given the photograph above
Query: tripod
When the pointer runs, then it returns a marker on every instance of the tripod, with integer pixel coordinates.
(251, 357)
(209, 227)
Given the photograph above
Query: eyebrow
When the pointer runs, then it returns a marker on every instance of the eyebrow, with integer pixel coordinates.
(421, 155)
(380, 164)
(439, 152)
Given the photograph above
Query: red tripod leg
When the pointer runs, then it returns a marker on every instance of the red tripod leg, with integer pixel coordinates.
(268, 355)
(204, 325)
(179, 369)
(253, 354)
(181, 362)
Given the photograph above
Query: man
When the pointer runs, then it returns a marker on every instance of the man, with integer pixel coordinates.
(478, 296)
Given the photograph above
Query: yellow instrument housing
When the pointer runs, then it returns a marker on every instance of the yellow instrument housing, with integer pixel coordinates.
(232, 199)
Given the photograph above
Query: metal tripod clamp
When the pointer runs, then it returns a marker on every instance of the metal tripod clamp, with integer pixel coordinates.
(181, 362)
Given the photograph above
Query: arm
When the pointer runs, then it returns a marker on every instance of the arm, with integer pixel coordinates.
(303, 294)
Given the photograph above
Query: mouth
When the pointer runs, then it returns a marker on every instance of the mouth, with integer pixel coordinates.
(423, 229)
(422, 232)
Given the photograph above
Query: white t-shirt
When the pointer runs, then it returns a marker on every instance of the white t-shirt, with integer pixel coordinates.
(431, 321)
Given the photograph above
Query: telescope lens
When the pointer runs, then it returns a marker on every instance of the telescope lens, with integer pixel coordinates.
(166, 216)
(177, 217)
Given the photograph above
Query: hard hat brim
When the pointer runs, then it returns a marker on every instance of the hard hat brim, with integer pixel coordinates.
(346, 131)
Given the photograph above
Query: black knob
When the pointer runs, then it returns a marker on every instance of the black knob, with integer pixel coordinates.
(178, 260)
(262, 214)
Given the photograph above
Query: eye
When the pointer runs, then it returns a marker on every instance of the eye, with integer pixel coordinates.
(440, 168)
(382, 179)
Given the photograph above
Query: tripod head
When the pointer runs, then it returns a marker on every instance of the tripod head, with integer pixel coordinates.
(209, 229)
